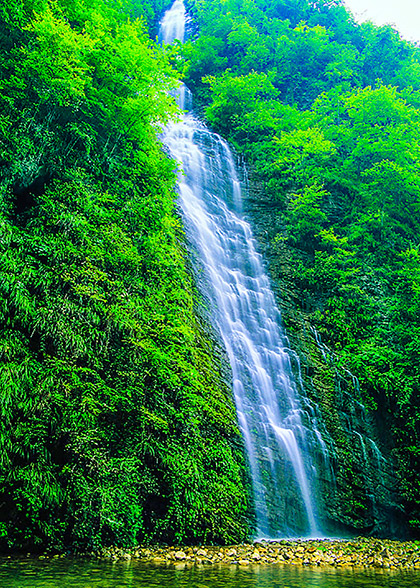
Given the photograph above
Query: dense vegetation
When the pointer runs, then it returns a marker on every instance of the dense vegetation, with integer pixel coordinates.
(327, 113)
(116, 423)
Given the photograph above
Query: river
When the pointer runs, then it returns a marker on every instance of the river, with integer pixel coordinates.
(80, 573)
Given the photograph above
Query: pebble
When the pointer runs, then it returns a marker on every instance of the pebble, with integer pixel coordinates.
(360, 552)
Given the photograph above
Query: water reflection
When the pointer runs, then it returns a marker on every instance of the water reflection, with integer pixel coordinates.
(24, 573)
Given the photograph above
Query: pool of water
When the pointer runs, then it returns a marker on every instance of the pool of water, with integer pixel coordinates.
(73, 573)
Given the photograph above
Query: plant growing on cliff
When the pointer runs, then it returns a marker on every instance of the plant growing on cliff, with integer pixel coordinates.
(335, 146)
(116, 424)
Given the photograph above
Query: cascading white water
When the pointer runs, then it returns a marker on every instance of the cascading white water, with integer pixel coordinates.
(269, 411)
(172, 26)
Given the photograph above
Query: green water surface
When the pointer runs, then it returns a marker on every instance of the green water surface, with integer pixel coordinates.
(71, 573)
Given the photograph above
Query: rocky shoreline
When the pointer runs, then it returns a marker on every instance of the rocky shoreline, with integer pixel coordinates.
(360, 552)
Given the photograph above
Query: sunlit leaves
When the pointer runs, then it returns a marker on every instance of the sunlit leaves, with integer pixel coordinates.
(306, 216)
(303, 154)
(234, 96)
(59, 60)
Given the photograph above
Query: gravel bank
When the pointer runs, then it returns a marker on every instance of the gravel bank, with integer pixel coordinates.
(361, 552)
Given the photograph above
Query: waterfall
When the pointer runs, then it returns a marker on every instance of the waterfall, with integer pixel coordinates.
(278, 430)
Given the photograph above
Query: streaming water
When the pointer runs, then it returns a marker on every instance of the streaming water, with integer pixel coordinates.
(279, 434)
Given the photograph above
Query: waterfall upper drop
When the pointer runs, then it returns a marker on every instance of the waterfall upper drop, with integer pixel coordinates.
(277, 431)
(172, 25)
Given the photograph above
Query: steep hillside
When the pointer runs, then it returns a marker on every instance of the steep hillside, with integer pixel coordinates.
(117, 424)
(326, 113)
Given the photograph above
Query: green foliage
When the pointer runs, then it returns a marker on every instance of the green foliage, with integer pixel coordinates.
(306, 217)
(234, 97)
(327, 114)
(310, 47)
(116, 424)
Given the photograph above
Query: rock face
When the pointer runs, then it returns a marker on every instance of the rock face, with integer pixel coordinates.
(357, 485)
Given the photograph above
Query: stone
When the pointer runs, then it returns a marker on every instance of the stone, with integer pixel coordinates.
(370, 553)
